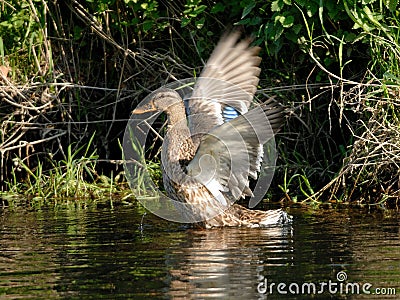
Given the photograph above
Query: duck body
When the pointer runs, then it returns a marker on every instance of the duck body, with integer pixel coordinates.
(212, 146)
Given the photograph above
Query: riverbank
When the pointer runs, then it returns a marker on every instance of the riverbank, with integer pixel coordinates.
(71, 73)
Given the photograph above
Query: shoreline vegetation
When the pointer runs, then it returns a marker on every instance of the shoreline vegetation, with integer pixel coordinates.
(71, 72)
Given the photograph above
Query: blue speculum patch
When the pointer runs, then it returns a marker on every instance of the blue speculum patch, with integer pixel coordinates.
(229, 113)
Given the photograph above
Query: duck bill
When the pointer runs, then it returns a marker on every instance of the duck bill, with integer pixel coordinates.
(149, 107)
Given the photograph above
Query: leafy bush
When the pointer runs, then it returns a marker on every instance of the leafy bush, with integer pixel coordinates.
(22, 36)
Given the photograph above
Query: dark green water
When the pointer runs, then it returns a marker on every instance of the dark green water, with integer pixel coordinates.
(104, 253)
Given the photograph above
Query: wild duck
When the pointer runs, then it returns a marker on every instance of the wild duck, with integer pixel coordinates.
(214, 143)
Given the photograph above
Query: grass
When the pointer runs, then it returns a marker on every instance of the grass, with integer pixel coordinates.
(75, 177)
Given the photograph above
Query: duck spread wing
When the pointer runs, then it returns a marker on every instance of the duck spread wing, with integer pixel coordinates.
(226, 85)
(230, 153)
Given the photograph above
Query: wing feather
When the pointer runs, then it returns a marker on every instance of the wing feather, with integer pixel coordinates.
(230, 153)
(229, 78)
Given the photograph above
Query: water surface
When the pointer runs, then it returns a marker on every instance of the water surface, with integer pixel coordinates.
(103, 252)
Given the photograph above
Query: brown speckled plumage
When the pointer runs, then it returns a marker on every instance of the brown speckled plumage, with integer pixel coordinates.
(229, 78)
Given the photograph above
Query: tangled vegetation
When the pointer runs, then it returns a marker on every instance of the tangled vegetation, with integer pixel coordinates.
(71, 71)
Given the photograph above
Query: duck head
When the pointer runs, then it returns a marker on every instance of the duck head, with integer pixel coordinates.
(160, 100)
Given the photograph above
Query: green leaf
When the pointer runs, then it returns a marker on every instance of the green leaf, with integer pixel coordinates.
(248, 9)
(296, 28)
(312, 8)
(350, 36)
(147, 25)
(242, 22)
(255, 21)
(277, 5)
(217, 8)
(278, 32)
(288, 22)
(77, 32)
(134, 21)
(392, 4)
(370, 15)
(291, 36)
(364, 2)
(198, 10)
(199, 45)
(200, 23)
(390, 77)
(279, 19)
(185, 21)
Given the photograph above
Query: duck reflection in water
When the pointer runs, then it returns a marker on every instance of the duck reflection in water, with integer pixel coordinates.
(228, 262)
